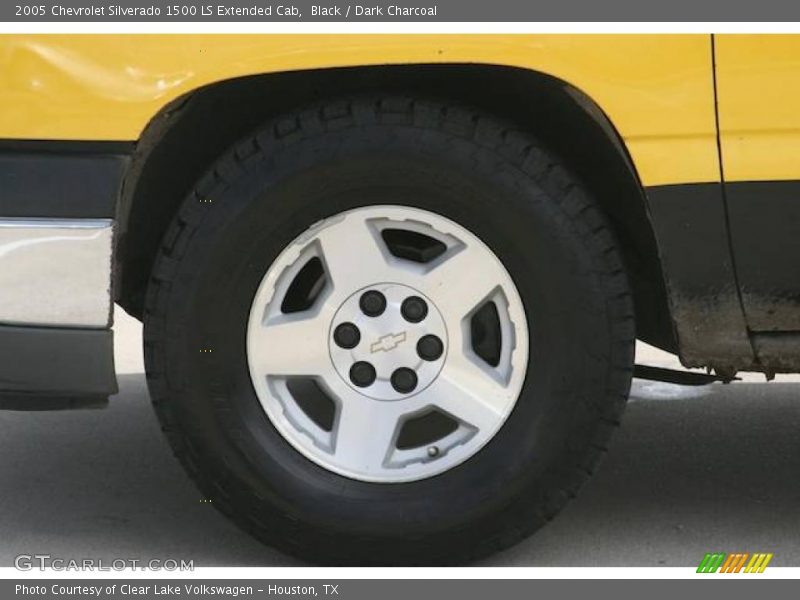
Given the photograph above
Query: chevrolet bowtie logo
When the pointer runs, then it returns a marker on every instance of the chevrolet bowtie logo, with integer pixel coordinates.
(388, 342)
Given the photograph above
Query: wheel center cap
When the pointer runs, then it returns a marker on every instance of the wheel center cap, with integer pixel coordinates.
(388, 341)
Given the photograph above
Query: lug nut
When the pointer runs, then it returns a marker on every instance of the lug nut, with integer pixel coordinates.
(430, 347)
(372, 303)
(404, 380)
(346, 335)
(362, 374)
(414, 309)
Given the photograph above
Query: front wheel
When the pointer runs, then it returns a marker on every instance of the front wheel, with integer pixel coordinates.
(389, 331)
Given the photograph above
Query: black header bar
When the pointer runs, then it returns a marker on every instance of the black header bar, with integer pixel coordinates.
(401, 11)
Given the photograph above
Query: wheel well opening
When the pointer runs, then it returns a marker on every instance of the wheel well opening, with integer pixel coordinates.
(186, 137)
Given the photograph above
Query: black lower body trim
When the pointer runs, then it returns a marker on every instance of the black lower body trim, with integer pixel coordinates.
(733, 277)
(47, 362)
(778, 351)
(765, 234)
(692, 234)
(11, 401)
(58, 180)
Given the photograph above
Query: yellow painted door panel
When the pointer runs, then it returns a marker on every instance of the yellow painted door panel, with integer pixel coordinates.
(758, 86)
(657, 90)
(758, 80)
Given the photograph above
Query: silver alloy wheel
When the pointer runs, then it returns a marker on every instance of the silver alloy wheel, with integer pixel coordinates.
(387, 344)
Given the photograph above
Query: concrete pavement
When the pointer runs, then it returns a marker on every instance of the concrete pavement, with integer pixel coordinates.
(691, 470)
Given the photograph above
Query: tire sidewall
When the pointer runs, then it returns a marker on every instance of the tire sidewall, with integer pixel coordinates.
(252, 214)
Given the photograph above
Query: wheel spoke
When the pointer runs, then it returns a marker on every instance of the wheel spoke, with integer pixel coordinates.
(294, 344)
(470, 393)
(353, 253)
(463, 280)
(365, 433)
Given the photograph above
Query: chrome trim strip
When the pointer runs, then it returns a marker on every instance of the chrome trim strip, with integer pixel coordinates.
(38, 223)
(56, 272)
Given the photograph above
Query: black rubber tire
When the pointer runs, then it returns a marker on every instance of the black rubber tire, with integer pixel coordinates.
(464, 164)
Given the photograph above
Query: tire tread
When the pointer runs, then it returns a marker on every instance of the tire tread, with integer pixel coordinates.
(526, 154)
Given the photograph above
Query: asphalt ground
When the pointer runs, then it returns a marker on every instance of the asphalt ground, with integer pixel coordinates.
(691, 470)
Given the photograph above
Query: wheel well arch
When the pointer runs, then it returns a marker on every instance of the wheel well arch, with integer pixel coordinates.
(182, 141)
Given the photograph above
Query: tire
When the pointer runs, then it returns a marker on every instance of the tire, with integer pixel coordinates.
(496, 183)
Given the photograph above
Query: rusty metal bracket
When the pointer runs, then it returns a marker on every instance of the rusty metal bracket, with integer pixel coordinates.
(678, 377)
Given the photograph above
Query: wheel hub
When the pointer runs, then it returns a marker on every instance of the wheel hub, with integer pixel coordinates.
(388, 342)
